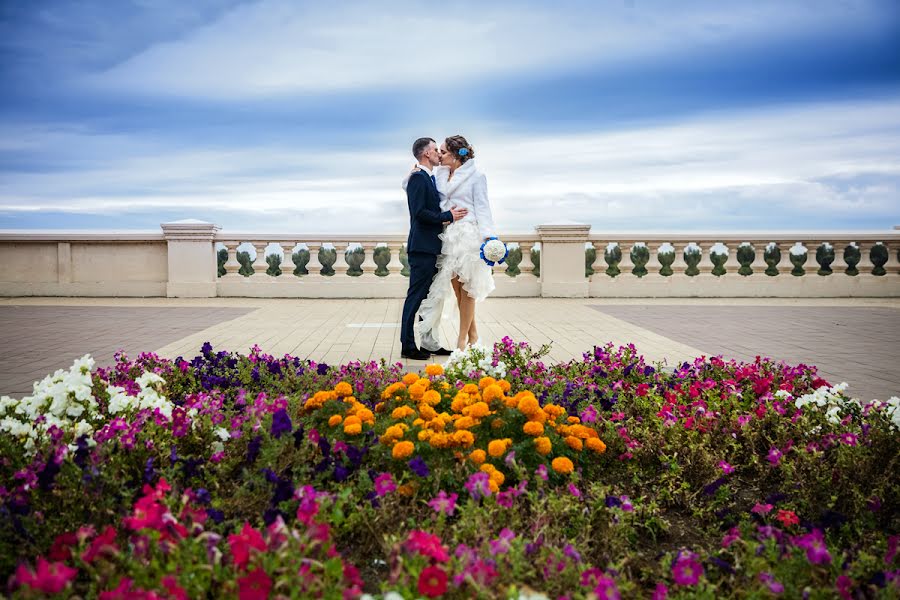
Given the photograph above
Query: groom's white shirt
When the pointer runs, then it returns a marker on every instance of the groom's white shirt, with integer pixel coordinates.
(426, 169)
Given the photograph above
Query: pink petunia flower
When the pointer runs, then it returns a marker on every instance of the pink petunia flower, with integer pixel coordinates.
(444, 503)
(687, 570)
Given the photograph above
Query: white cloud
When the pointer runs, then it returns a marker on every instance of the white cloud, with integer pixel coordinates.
(772, 169)
(277, 47)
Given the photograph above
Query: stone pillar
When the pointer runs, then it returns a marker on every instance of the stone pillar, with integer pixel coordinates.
(562, 260)
(191, 258)
(64, 262)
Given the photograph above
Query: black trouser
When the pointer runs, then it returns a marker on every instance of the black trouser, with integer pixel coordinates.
(422, 269)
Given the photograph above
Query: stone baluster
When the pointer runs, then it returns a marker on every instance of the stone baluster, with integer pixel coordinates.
(758, 265)
(705, 265)
(395, 266)
(340, 262)
(839, 266)
(368, 265)
(785, 266)
(653, 265)
(626, 267)
(260, 265)
(599, 264)
(526, 267)
(678, 265)
(314, 267)
(731, 263)
(232, 266)
(892, 262)
(865, 265)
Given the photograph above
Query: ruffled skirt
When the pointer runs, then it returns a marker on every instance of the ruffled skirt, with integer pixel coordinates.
(460, 257)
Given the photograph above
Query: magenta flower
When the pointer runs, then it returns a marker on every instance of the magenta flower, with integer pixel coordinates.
(661, 592)
(726, 468)
(774, 456)
(501, 544)
(443, 503)
(478, 485)
(427, 544)
(814, 544)
(774, 586)
(541, 471)
(589, 414)
(733, 535)
(574, 490)
(761, 509)
(626, 504)
(849, 439)
(49, 578)
(687, 570)
(606, 588)
(384, 484)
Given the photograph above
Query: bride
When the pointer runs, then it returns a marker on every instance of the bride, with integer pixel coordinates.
(462, 274)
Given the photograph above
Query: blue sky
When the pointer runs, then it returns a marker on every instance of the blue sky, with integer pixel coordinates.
(298, 117)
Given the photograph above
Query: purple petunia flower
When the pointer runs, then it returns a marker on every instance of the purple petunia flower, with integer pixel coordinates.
(281, 423)
(384, 484)
(814, 544)
(774, 586)
(501, 544)
(661, 592)
(541, 471)
(774, 456)
(687, 570)
(418, 466)
(726, 468)
(848, 438)
(761, 509)
(478, 485)
(443, 503)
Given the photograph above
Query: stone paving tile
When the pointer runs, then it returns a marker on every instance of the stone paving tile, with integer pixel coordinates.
(38, 340)
(858, 345)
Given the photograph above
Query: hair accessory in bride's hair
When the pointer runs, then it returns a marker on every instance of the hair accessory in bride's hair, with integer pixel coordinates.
(463, 151)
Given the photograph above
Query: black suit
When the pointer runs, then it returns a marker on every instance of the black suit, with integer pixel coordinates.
(426, 222)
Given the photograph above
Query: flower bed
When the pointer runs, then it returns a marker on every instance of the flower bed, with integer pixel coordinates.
(499, 476)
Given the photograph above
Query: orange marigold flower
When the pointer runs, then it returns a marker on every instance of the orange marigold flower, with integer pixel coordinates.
(425, 435)
(528, 405)
(486, 381)
(401, 412)
(574, 443)
(497, 448)
(343, 389)
(497, 423)
(479, 410)
(379, 407)
(352, 420)
(596, 445)
(478, 456)
(492, 392)
(434, 370)
(410, 378)
(573, 420)
(463, 438)
(365, 415)
(495, 475)
(533, 428)
(416, 391)
(540, 416)
(504, 385)
(493, 485)
(335, 420)
(426, 411)
(563, 465)
(543, 445)
(431, 397)
(352, 428)
(470, 388)
(405, 489)
(465, 423)
(440, 440)
(554, 410)
(403, 449)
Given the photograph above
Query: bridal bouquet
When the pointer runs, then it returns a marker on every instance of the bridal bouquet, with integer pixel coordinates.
(493, 251)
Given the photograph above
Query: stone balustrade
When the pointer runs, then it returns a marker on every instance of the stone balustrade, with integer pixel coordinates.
(196, 259)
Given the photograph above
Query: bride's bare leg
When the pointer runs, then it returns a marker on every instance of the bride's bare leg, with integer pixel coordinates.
(466, 318)
(473, 331)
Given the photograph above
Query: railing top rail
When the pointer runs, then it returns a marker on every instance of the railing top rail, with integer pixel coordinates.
(340, 237)
(751, 236)
(22, 235)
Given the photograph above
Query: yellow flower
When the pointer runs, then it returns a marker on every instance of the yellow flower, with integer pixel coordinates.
(574, 443)
(425, 435)
(533, 428)
(528, 405)
(416, 391)
(439, 440)
(410, 378)
(402, 450)
(539, 415)
(431, 397)
(343, 389)
(486, 381)
(463, 438)
(426, 411)
(434, 370)
(479, 410)
(478, 456)
(401, 412)
(392, 389)
(543, 445)
(335, 420)
(444, 385)
(497, 448)
(554, 410)
(465, 423)
(596, 445)
(563, 465)
(492, 392)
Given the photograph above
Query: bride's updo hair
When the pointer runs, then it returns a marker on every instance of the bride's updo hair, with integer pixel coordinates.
(455, 143)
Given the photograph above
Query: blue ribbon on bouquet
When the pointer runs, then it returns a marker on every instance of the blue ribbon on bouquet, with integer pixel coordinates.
(490, 262)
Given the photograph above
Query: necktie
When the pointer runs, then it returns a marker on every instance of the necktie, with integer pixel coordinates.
(434, 181)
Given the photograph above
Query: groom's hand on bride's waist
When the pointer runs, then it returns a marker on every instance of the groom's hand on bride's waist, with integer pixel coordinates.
(458, 213)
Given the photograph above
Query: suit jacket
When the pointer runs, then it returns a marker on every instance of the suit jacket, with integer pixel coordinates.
(426, 221)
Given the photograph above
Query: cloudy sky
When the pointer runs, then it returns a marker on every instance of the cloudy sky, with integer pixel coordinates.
(291, 116)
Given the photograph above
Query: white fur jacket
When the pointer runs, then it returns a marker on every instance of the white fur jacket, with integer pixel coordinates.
(466, 189)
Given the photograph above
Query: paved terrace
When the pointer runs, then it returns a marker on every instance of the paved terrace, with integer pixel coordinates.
(853, 340)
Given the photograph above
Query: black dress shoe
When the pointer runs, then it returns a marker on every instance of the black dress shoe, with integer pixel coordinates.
(415, 354)
(441, 352)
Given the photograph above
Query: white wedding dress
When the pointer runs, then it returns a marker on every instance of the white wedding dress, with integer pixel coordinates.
(460, 251)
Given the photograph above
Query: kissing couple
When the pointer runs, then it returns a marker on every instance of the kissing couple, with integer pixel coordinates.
(449, 219)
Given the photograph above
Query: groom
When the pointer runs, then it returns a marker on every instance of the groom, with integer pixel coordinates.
(426, 222)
